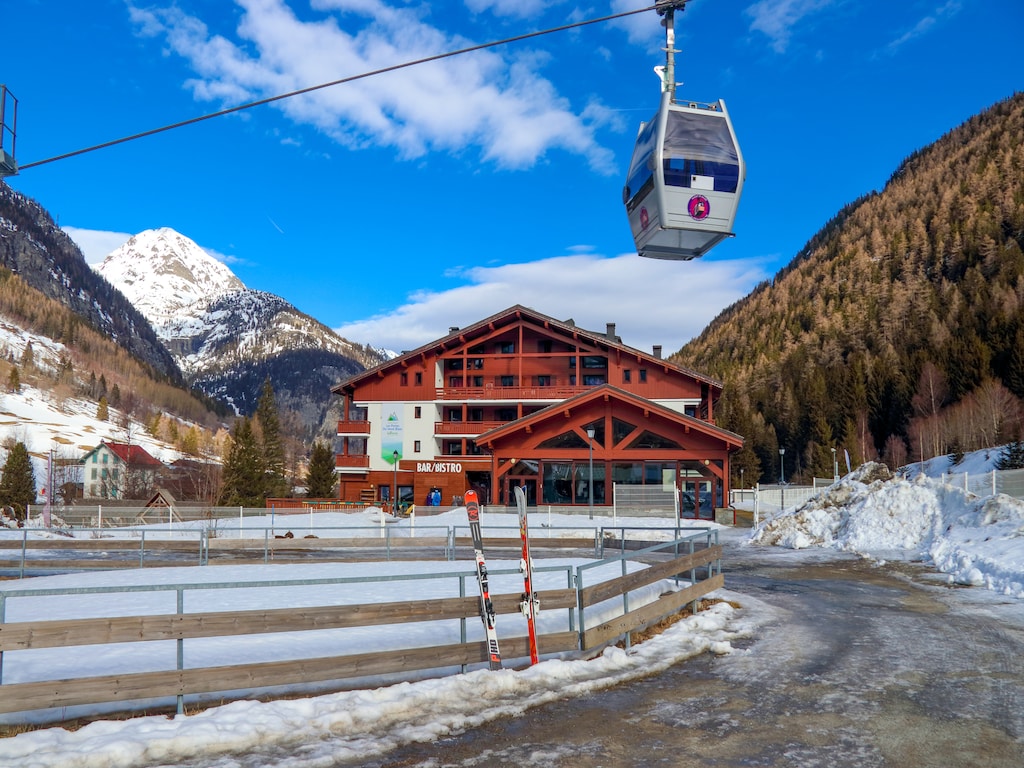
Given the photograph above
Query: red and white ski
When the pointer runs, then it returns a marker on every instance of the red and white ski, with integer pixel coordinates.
(486, 607)
(528, 603)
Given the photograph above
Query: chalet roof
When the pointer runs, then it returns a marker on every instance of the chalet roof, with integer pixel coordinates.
(513, 314)
(132, 455)
(610, 391)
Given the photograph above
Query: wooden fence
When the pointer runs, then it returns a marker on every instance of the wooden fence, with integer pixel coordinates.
(181, 682)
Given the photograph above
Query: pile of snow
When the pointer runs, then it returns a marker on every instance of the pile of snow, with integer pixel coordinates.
(976, 541)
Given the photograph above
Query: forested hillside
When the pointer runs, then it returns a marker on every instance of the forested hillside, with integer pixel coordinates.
(898, 331)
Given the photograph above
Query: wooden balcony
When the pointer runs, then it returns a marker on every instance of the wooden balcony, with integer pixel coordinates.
(353, 427)
(352, 462)
(511, 394)
(465, 427)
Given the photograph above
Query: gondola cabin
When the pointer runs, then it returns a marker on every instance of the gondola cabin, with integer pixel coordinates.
(684, 180)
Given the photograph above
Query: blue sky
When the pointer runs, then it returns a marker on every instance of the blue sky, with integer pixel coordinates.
(397, 206)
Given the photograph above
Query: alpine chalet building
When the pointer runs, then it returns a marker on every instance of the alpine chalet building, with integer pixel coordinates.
(520, 398)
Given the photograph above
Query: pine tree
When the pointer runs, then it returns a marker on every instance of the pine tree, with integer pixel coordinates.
(1012, 456)
(18, 485)
(14, 380)
(102, 410)
(320, 477)
(271, 445)
(243, 469)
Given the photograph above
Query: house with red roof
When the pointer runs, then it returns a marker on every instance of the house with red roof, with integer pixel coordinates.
(119, 471)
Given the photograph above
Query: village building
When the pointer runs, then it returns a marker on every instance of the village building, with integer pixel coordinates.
(119, 471)
(520, 398)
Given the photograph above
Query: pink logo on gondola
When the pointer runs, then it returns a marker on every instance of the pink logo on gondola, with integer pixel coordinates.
(644, 218)
(699, 207)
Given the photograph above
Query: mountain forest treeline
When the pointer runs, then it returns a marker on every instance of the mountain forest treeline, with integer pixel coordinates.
(898, 331)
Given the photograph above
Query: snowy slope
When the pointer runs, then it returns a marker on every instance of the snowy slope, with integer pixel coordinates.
(167, 276)
(228, 339)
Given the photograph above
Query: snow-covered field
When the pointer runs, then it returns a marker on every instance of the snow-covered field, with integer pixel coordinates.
(975, 541)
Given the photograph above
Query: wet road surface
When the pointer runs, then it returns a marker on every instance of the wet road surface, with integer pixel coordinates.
(861, 665)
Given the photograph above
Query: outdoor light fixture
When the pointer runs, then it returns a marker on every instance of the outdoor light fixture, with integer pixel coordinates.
(782, 466)
(394, 496)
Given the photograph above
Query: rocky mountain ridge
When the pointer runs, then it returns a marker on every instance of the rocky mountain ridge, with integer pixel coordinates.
(227, 338)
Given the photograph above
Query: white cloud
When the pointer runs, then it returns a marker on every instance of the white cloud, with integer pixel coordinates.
(777, 18)
(95, 244)
(651, 301)
(926, 24)
(493, 99)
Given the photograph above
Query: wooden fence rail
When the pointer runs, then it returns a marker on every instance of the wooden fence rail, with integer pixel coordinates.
(181, 682)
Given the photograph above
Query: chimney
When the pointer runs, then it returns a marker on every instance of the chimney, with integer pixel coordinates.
(452, 328)
(610, 332)
(657, 351)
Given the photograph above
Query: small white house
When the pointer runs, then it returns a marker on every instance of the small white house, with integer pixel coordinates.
(119, 471)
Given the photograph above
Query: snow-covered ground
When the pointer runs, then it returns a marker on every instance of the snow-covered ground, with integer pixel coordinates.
(975, 541)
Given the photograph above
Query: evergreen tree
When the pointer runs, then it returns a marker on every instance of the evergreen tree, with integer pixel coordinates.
(1012, 456)
(271, 444)
(243, 469)
(320, 477)
(14, 380)
(18, 485)
(28, 358)
(103, 410)
(115, 395)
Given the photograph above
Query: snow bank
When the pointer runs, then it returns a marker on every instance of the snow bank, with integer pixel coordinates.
(977, 541)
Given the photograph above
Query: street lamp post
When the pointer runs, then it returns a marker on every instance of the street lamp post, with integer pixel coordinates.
(590, 485)
(782, 466)
(835, 466)
(394, 494)
(742, 486)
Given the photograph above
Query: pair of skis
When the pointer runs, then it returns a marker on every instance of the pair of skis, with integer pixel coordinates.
(528, 603)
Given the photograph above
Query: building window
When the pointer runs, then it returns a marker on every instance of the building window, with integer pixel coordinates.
(104, 458)
(419, 377)
(416, 446)
(543, 381)
(476, 363)
(627, 375)
(454, 381)
(508, 381)
(593, 380)
(507, 347)
(643, 375)
(476, 414)
(454, 365)
(403, 379)
(93, 473)
(544, 345)
(478, 381)
(94, 458)
(507, 414)
(417, 412)
(454, 414)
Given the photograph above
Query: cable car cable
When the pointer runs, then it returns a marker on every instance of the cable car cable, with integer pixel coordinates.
(352, 78)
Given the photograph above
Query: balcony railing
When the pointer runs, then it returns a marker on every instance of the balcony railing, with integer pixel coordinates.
(516, 394)
(353, 427)
(465, 427)
(352, 462)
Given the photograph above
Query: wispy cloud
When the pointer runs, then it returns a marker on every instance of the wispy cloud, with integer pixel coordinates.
(651, 301)
(778, 18)
(494, 100)
(924, 25)
(95, 244)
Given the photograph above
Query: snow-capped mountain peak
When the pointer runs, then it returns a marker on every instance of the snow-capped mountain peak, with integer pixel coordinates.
(165, 274)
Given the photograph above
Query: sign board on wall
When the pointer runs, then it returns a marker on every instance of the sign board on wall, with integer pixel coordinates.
(391, 434)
